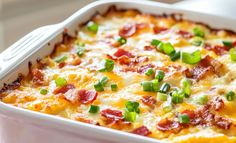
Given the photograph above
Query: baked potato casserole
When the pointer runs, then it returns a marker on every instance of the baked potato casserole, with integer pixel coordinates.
(159, 76)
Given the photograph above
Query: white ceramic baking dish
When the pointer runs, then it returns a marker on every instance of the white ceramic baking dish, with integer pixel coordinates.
(23, 126)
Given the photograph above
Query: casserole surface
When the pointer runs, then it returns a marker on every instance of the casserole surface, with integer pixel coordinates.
(78, 64)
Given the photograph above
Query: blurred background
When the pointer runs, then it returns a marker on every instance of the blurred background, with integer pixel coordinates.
(19, 17)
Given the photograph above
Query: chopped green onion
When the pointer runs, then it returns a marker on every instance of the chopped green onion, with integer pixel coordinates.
(183, 118)
(191, 58)
(92, 26)
(162, 96)
(197, 41)
(98, 86)
(175, 56)
(177, 97)
(202, 99)
(80, 51)
(94, 109)
(228, 43)
(159, 75)
(198, 32)
(108, 65)
(80, 44)
(186, 87)
(60, 82)
(103, 80)
(167, 108)
(147, 86)
(167, 48)
(130, 116)
(230, 96)
(132, 106)
(155, 42)
(114, 87)
(122, 40)
(61, 59)
(43, 91)
(232, 53)
(155, 85)
(165, 87)
(149, 72)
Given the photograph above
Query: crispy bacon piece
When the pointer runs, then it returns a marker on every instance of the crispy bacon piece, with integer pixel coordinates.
(158, 30)
(207, 66)
(218, 49)
(38, 77)
(124, 60)
(184, 34)
(149, 48)
(144, 68)
(61, 65)
(222, 123)
(130, 29)
(217, 104)
(112, 114)
(168, 125)
(122, 52)
(143, 131)
(87, 96)
(63, 89)
(149, 101)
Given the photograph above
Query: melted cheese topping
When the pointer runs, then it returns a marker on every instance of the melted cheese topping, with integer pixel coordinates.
(99, 45)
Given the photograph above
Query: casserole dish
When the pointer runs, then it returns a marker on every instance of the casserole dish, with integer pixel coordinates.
(39, 44)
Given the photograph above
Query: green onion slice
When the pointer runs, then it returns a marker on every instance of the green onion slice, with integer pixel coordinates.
(186, 87)
(177, 97)
(227, 43)
(155, 42)
(122, 40)
(198, 32)
(80, 51)
(132, 106)
(149, 72)
(162, 96)
(147, 86)
(159, 75)
(232, 53)
(60, 82)
(230, 96)
(183, 118)
(43, 91)
(167, 48)
(155, 85)
(197, 41)
(191, 58)
(165, 87)
(61, 59)
(94, 109)
(174, 56)
(167, 107)
(108, 65)
(130, 116)
(99, 86)
(92, 26)
(114, 87)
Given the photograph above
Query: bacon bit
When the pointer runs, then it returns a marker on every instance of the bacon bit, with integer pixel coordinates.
(87, 96)
(234, 43)
(72, 96)
(158, 30)
(218, 49)
(38, 77)
(130, 29)
(149, 101)
(149, 48)
(112, 114)
(124, 60)
(63, 89)
(127, 30)
(61, 65)
(143, 131)
(168, 125)
(222, 123)
(184, 34)
(206, 66)
(217, 104)
(144, 68)
(122, 52)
